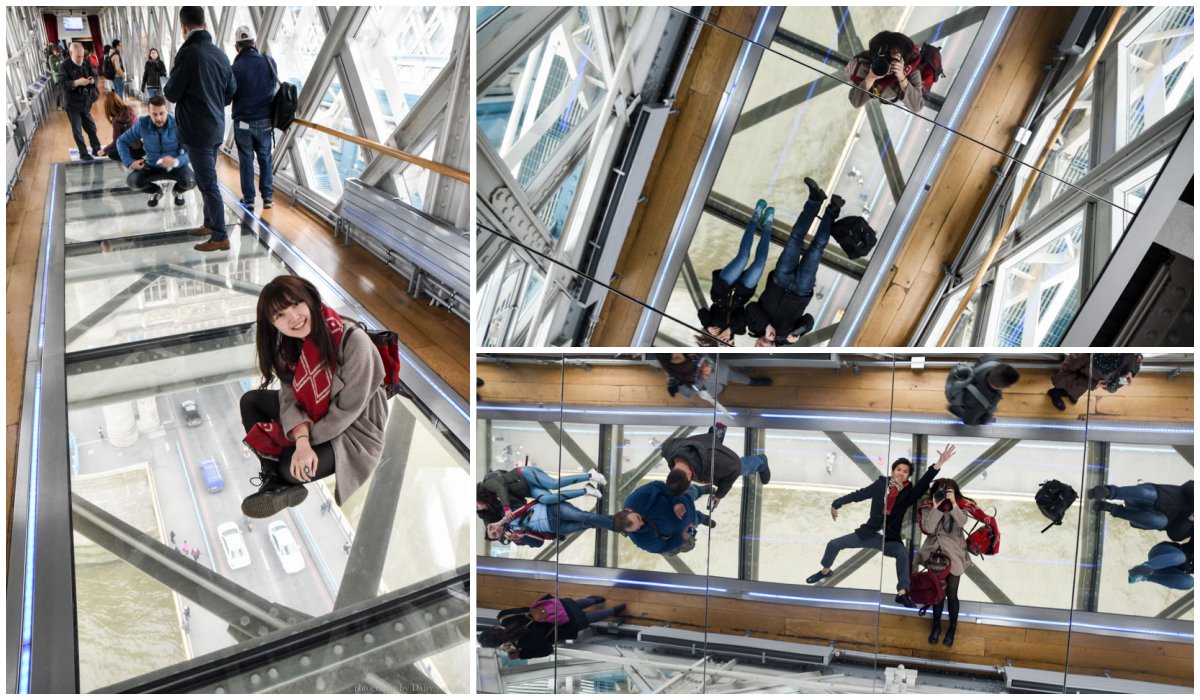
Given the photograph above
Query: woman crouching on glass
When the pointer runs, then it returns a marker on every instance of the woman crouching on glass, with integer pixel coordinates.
(329, 414)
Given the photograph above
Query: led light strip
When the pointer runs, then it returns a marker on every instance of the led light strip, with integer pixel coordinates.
(601, 579)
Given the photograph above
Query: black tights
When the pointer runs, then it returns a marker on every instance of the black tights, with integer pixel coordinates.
(952, 597)
(262, 405)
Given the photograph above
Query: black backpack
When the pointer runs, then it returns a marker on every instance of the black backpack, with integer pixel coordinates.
(961, 389)
(854, 235)
(110, 71)
(283, 105)
(1053, 499)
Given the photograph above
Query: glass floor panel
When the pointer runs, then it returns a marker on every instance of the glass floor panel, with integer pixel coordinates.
(153, 325)
(100, 175)
(100, 215)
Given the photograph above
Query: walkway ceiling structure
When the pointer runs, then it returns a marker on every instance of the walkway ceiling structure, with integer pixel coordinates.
(540, 262)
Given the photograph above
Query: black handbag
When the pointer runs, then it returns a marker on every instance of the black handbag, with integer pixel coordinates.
(854, 235)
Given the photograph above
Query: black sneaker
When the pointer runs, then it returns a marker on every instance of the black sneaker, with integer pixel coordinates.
(815, 193)
(249, 205)
(272, 496)
(153, 201)
(86, 156)
(764, 474)
(267, 204)
(761, 381)
(1101, 492)
(817, 577)
(806, 324)
(619, 609)
(905, 600)
(179, 200)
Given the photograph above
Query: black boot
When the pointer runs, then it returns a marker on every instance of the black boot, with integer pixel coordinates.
(835, 206)
(949, 640)
(1056, 398)
(935, 632)
(815, 193)
(273, 495)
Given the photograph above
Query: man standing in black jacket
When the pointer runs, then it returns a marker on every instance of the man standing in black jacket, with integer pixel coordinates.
(78, 81)
(890, 500)
(201, 85)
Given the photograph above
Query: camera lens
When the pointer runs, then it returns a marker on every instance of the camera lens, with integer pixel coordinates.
(940, 494)
(881, 64)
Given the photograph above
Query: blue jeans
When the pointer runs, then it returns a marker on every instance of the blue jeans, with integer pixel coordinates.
(566, 519)
(152, 90)
(1167, 562)
(255, 142)
(753, 464)
(119, 86)
(732, 272)
(799, 275)
(204, 163)
(543, 487)
(1139, 506)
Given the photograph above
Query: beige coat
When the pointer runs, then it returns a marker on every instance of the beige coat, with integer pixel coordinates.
(357, 416)
(953, 543)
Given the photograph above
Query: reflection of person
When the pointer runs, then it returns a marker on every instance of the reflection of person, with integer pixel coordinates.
(535, 523)
(530, 633)
(153, 73)
(156, 136)
(689, 374)
(698, 459)
(974, 390)
(732, 287)
(778, 317)
(907, 76)
(657, 521)
(891, 497)
(943, 520)
(1081, 372)
(1168, 564)
(1150, 506)
(328, 416)
(201, 84)
(510, 489)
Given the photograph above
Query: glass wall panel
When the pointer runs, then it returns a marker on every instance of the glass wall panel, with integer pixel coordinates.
(297, 41)
(332, 159)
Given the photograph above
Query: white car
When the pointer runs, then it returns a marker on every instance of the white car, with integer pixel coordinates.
(234, 546)
(285, 547)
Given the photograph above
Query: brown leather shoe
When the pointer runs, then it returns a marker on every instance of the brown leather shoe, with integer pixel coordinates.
(202, 231)
(210, 246)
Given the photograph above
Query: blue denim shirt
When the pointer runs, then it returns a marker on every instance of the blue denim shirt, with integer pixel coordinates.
(157, 141)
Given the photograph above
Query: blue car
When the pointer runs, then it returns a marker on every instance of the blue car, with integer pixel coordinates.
(213, 481)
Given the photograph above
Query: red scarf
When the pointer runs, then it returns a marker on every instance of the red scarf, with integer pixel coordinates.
(312, 382)
(892, 494)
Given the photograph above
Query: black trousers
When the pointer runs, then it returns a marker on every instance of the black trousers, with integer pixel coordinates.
(261, 405)
(146, 178)
(81, 122)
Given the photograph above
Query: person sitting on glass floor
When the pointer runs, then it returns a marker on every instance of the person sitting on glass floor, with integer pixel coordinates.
(777, 317)
(165, 158)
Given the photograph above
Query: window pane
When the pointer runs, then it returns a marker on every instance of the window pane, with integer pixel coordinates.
(1158, 70)
(1039, 293)
(400, 51)
(332, 159)
(295, 45)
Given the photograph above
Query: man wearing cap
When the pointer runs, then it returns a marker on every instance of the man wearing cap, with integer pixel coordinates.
(252, 131)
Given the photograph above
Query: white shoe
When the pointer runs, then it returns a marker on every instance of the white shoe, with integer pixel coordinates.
(597, 478)
(592, 491)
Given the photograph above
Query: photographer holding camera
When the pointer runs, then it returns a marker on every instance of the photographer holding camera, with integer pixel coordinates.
(943, 520)
(891, 69)
(78, 80)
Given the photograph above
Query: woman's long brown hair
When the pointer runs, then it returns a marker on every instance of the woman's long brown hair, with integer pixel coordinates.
(277, 353)
(114, 105)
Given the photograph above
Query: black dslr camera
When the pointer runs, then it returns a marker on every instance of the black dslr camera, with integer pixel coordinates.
(939, 495)
(881, 63)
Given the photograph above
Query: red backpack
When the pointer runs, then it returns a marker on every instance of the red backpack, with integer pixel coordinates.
(388, 345)
(928, 588)
(984, 539)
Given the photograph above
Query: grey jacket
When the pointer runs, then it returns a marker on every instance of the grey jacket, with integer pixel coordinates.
(949, 535)
(357, 416)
